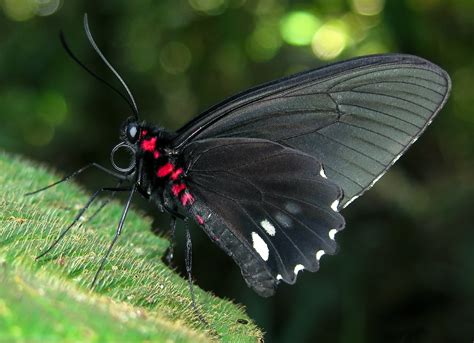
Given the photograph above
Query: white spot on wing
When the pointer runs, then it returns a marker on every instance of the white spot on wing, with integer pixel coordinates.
(284, 220)
(376, 179)
(279, 277)
(269, 228)
(293, 208)
(334, 205)
(319, 254)
(372, 183)
(260, 246)
(351, 200)
(332, 234)
(383, 173)
(322, 173)
(396, 158)
(298, 268)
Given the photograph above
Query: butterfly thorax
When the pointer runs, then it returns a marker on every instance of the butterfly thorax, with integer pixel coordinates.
(162, 175)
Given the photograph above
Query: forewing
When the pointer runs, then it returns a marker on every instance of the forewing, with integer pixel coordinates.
(266, 205)
(357, 117)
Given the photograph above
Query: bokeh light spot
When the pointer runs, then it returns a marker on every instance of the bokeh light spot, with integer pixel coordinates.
(357, 26)
(298, 28)
(175, 57)
(368, 7)
(330, 40)
(372, 47)
(211, 7)
(423, 5)
(52, 108)
(40, 136)
(47, 7)
(264, 42)
(20, 10)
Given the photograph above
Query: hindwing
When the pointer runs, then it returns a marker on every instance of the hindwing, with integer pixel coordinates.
(268, 206)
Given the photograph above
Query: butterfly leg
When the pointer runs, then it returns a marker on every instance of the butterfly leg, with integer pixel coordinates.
(174, 216)
(189, 261)
(116, 236)
(79, 171)
(81, 212)
(105, 202)
(169, 255)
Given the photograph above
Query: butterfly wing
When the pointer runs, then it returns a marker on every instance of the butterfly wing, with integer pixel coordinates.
(356, 117)
(267, 205)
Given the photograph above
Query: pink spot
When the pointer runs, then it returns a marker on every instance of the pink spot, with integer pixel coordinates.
(176, 173)
(165, 170)
(199, 219)
(177, 188)
(143, 133)
(156, 154)
(187, 199)
(149, 144)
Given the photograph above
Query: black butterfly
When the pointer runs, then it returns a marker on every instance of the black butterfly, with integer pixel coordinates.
(265, 172)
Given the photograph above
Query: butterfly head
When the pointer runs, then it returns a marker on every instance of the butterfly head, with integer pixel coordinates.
(141, 141)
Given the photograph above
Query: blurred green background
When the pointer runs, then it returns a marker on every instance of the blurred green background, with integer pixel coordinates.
(405, 270)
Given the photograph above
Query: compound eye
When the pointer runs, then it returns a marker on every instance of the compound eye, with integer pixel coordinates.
(132, 133)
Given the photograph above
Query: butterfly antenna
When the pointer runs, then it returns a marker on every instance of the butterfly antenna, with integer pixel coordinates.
(83, 66)
(101, 55)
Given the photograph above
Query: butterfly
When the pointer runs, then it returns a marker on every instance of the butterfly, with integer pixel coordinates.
(266, 172)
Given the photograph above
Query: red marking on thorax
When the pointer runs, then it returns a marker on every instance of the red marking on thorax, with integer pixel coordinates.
(177, 188)
(165, 170)
(199, 219)
(156, 154)
(176, 173)
(149, 144)
(187, 199)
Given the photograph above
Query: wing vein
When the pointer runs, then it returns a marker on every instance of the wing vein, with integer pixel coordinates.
(270, 116)
(288, 237)
(383, 113)
(389, 69)
(374, 132)
(248, 216)
(392, 97)
(327, 166)
(349, 147)
(297, 220)
(401, 82)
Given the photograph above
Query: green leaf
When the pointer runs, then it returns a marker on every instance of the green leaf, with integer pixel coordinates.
(138, 298)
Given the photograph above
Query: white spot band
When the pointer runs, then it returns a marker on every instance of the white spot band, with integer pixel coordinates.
(269, 228)
(322, 172)
(298, 268)
(260, 246)
(351, 200)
